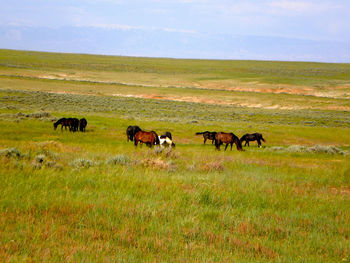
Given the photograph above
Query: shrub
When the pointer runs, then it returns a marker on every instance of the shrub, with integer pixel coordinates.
(329, 149)
(214, 166)
(11, 152)
(157, 150)
(40, 158)
(82, 163)
(121, 159)
(325, 149)
(54, 165)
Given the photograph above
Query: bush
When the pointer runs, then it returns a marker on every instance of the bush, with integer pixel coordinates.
(121, 159)
(329, 149)
(82, 163)
(11, 152)
(40, 158)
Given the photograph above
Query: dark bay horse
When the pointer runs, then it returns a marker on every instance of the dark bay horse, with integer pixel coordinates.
(252, 137)
(63, 122)
(228, 138)
(82, 124)
(149, 138)
(131, 131)
(207, 135)
(73, 124)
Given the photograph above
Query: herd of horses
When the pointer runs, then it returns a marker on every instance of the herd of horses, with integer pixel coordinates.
(229, 138)
(73, 124)
(150, 138)
(136, 134)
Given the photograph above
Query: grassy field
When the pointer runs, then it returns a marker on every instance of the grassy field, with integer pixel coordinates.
(93, 197)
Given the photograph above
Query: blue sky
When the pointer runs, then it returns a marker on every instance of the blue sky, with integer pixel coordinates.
(306, 30)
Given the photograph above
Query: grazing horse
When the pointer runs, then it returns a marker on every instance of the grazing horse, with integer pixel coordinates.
(131, 131)
(63, 122)
(165, 141)
(252, 137)
(228, 138)
(82, 124)
(150, 138)
(168, 134)
(207, 135)
(73, 124)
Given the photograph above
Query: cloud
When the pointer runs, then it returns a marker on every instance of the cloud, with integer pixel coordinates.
(300, 6)
(143, 28)
(13, 35)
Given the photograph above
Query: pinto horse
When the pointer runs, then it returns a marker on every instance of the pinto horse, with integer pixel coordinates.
(63, 122)
(207, 135)
(167, 134)
(165, 141)
(149, 138)
(252, 137)
(131, 131)
(228, 138)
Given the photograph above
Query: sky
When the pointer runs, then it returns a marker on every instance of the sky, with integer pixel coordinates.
(301, 30)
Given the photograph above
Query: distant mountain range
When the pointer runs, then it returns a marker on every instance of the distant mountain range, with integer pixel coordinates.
(162, 43)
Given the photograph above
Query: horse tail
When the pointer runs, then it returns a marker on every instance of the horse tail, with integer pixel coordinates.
(156, 142)
(199, 133)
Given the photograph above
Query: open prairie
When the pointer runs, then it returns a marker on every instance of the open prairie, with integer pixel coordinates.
(94, 197)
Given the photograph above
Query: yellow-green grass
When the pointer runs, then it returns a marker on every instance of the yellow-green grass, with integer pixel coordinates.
(235, 98)
(194, 204)
(269, 71)
(72, 197)
(320, 79)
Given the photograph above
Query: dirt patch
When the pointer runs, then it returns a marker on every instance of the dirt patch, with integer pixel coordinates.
(207, 101)
(329, 92)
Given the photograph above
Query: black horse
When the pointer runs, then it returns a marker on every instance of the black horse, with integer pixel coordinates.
(82, 124)
(207, 135)
(167, 134)
(131, 131)
(73, 124)
(63, 122)
(252, 137)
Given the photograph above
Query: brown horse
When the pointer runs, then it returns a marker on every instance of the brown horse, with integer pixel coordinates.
(150, 138)
(228, 138)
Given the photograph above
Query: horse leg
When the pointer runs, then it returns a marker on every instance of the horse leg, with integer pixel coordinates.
(136, 142)
(217, 145)
(226, 146)
(231, 145)
(205, 139)
(259, 143)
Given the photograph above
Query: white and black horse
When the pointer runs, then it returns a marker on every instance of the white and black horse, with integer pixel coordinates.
(165, 141)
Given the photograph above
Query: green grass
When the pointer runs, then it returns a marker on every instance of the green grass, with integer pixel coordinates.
(91, 197)
(301, 73)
